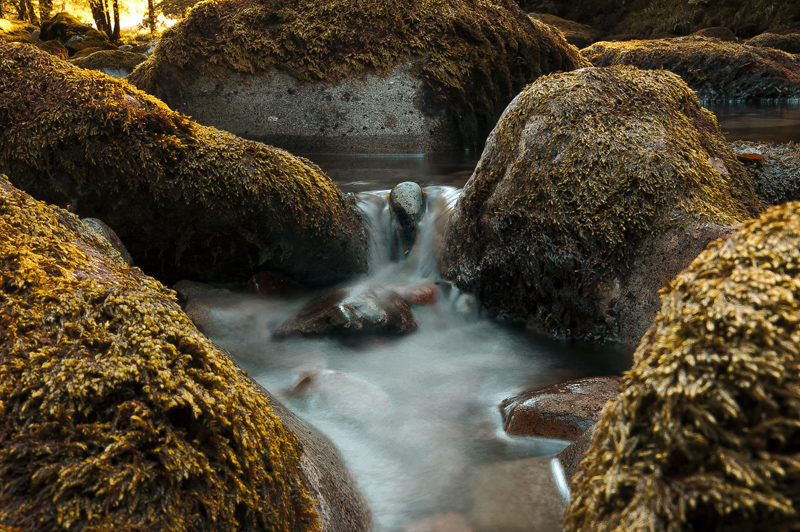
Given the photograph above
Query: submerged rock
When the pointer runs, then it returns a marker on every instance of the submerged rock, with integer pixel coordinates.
(352, 311)
(774, 168)
(593, 188)
(716, 70)
(118, 415)
(342, 394)
(704, 434)
(564, 411)
(378, 76)
(788, 43)
(114, 63)
(74, 34)
(190, 202)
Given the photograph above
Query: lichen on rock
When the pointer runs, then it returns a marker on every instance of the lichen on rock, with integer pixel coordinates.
(582, 169)
(116, 413)
(473, 54)
(705, 434)
(187, 201)
(716, 70)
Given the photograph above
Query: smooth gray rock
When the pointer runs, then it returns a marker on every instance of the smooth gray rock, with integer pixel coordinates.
(393, 114)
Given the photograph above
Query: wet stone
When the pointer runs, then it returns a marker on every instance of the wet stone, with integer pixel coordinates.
(274, 284)
(342, 394)
(352, 311)
(407, 206)
(562, 410)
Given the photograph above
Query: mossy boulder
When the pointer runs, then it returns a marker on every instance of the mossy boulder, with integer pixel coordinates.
(788, 43)
(705, 433)
(776, 177)
(116, 413)
(15, 30)
(74, 34)
(54, 48)
(577, 34)
(594, 187)
(337, 75)
(189, 202)
(718, 71)
(114, 63)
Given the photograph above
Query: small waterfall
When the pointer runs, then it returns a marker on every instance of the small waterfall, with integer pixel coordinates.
(422, 262)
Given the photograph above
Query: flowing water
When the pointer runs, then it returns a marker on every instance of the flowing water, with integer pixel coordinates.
(416, 416)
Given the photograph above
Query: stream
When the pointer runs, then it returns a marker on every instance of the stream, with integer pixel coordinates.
(416, 416)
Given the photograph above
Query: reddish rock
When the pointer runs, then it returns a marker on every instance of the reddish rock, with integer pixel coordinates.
(274, 284)
(753, 159)
(353, 311)
(562, 410)
(55, 48)
(424, 293)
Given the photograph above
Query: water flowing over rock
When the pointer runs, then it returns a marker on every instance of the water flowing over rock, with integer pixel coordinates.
(704, 434)
(355, 311)
(378, 76)
(716, 70)
(190, 202)
(118, 415)
(774, 168)
(594, 187)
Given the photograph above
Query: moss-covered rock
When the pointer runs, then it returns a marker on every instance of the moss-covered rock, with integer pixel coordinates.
(788, 43)
(116, 414)
(74, 34)
(578, 35)
(15, 30)
(776, 177)
(718, 71)
(54, 48)
(188, 201)
(462, 60)
(587, 174)
(705, 434)
(649, 19)
(114, 63)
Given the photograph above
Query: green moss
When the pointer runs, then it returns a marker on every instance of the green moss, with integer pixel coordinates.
(576, 173)
(113, 59)
(474, 54)
(716, 70)
(188, 201)
(116, 413)
(787, 43)
(73, 33)
(705, 434)
(15, 31)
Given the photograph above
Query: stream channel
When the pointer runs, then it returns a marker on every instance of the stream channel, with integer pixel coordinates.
(417, 416)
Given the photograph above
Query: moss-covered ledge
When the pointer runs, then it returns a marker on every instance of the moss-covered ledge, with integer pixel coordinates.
(187, 201)
(115, 412)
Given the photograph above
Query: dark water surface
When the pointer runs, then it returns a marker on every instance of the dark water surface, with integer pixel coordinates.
(769, 122)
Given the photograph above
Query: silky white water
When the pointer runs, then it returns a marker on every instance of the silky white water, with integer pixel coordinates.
(414, 416)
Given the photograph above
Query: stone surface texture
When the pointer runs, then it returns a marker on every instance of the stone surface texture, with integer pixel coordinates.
(777, 177)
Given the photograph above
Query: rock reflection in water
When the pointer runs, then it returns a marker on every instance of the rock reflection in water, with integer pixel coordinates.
(417, 416)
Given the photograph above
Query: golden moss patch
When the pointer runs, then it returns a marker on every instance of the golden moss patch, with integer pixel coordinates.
(788, 43)
(187, 201)
(15, 31)
(116, 413)
(112, 59)
(706, 432)
(716, 70)
(579, 170)
(74, 34)
(475, 54)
